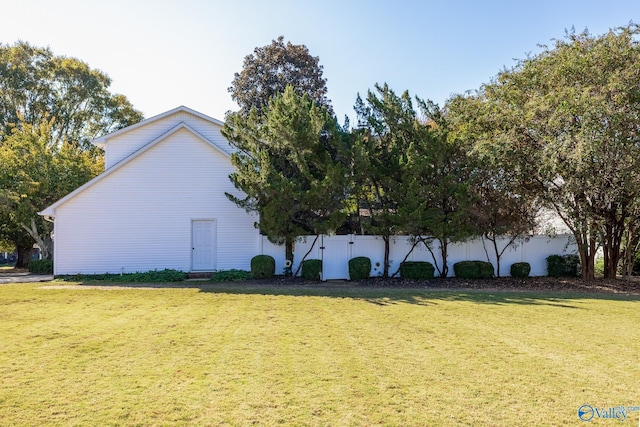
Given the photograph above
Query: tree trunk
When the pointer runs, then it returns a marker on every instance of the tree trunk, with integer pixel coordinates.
(387, 249)
(587, 256)
(611, 270)
(444, 249)
(24, 255)
(305, 256)
(44, 242)
(288, 248)
(498, 255)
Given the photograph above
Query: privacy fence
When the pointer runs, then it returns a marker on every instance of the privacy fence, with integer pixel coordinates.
(336, 251)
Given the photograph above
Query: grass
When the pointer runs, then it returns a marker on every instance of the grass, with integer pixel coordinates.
(241, 355)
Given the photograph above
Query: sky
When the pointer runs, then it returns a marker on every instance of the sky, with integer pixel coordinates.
(162, 54)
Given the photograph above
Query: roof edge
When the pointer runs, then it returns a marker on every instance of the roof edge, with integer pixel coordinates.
(102, 140)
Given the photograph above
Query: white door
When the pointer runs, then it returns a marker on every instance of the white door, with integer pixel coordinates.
(203, 244)
(336, 252)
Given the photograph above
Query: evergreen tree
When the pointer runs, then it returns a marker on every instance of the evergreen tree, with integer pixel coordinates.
(289, 167)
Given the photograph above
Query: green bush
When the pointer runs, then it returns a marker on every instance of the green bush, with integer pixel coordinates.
(231, 276)
(311, 269)
(563, 265)
(473, 269)
(486, 269)
(263, 267)
(359, 268)
(155, 276)
(419, 270)
(598, 267)
(520, 269)
(41, 266)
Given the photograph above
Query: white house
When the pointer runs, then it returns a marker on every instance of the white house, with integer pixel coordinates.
(160, 203)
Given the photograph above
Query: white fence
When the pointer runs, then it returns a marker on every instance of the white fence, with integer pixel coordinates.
(336, 251)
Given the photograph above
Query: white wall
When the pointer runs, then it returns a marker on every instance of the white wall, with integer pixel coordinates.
(534, 250)
(124, 144)
(139, 217)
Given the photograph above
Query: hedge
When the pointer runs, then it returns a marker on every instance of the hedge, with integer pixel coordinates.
(263, 267)
(473, 269)
(311, 269)
(520, 269)
(418, 270)
(359, 268)
(563, 265)
(40, 266)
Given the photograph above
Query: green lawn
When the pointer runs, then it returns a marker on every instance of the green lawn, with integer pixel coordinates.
(233, 355)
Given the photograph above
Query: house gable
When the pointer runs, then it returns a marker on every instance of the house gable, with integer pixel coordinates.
(50, 211)
(121, 144)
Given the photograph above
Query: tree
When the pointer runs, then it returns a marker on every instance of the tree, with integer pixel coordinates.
(386, 131)
(409, 176)
(567, 121)
(36, 85)
(270, 69)
(438, 199)
(35, 171)
(501, 216)
(502, 211)
(289, 167)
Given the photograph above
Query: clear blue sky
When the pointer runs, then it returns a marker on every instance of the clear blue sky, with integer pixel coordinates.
(162, 54)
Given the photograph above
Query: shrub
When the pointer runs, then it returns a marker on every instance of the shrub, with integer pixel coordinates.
(473, 269)
(417, 270)
(520, 269)
(311, 269)
(359, 268)
(486, 269)
(231, 276)
(41, 266)
(154, 276)
(563, 265)
(263, 267)
(598, 267)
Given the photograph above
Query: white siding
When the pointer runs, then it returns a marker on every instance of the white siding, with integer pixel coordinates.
(123, 145)
(139, 217)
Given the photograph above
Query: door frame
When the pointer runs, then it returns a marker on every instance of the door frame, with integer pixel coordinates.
(214, 243)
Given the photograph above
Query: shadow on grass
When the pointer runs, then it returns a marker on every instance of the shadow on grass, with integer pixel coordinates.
(559, 293)
(382, 296)
(417, 296)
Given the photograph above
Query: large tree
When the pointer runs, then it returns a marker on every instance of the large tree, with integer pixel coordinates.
(568, 122)
(289, 167)
(270, 69)
(35, 171)
(37, 86)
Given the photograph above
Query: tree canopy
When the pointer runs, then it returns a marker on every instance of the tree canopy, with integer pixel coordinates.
(288, 166)
(36, 85)
(566, 123)
(270, 69)
(407, 174)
